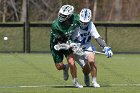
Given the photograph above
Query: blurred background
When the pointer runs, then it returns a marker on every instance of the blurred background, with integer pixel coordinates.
(46, 10)
(27, 23)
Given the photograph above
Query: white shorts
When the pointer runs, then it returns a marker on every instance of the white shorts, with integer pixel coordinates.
(88, 49)
(82, 60)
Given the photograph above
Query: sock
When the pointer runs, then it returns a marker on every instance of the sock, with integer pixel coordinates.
(74, 80)
(94, 80)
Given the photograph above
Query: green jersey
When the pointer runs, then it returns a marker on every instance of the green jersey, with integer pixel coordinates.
(62, 32)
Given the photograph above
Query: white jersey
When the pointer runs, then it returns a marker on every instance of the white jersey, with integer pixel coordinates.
(84, 36)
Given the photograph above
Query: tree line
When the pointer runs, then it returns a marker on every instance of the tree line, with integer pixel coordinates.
(46, 10)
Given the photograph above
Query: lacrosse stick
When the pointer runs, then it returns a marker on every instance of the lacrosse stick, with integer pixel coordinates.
(97, 52)
(77, 49)
(74, 46)
(66, 46)
(63, 46)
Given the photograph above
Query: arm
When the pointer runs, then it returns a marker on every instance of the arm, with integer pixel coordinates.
(100, 41)
(58, 36)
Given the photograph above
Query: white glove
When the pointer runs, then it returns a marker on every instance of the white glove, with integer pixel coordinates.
(108, 52)
(77, 49)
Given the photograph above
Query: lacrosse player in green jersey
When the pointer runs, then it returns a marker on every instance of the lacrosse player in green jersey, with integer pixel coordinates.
(62, 29)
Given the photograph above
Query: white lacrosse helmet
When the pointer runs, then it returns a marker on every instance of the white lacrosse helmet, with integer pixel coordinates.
(85, 17)
(65, 12)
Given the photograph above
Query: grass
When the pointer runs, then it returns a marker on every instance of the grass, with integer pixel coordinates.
(36, 73)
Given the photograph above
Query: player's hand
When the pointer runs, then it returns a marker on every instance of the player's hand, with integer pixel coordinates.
(78, 51)
(108, 52)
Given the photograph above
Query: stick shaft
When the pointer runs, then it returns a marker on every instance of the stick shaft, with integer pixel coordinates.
(96, 52)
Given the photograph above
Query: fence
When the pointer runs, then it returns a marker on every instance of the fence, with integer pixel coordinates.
(123, 38)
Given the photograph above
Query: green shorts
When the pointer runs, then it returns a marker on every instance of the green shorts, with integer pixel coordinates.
(58, 56)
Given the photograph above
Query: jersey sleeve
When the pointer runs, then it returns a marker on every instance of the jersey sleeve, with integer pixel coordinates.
(94, 31)
(54, 29)
(54, 33)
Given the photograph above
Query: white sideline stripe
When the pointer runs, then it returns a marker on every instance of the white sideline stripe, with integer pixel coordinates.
(37, 86)
(30, 86)
(124, 84)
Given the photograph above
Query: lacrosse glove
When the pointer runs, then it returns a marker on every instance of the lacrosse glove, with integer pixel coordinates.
(108, 52)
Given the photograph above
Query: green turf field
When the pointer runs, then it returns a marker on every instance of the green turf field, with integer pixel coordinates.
(36, 73)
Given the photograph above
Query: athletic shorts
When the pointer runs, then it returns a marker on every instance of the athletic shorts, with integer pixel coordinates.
(88, 47)
(82, 60)
(58, 56)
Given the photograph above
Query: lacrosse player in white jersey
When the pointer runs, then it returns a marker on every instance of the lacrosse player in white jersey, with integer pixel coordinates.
(83, 35)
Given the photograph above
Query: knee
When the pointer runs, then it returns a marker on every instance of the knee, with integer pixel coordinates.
(93, 65)
(91, 58)
(71, 63)
(59, 66)
(86, 69)
(71, 60)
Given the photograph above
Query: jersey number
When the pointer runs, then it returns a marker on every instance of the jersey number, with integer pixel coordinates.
(86, 39)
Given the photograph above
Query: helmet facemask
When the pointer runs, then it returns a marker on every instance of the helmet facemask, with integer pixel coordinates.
(62, 17)
(65, 13)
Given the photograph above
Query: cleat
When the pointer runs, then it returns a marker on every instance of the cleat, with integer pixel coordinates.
(77, 85)
(96, 85)
(65, 72)
(87, 80)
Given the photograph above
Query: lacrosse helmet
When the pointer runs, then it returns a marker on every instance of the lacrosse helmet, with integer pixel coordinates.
(85, 17)
(65, 12)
